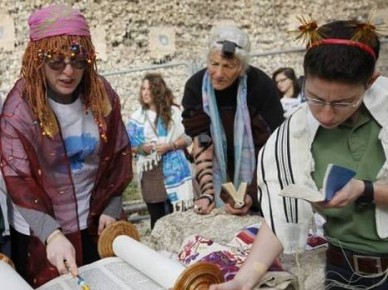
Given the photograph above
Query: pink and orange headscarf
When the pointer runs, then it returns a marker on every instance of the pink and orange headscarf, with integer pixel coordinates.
(54, 29)
(57, 20)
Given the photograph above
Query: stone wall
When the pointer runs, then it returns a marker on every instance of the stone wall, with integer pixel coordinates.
(122, 31)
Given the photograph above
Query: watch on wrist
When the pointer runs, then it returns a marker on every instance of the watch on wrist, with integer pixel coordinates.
(367, 196)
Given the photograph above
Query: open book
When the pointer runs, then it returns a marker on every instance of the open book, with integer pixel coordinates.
(136, 267)
(229, 194)
(335, 178)
(108, 273)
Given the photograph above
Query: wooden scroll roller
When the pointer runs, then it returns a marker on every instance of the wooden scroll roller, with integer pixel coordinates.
(8, 275)
(6, 259)
(105, 241)
(123, 238)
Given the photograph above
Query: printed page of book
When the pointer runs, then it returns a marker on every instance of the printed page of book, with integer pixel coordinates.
(109, 273)
(10, 279)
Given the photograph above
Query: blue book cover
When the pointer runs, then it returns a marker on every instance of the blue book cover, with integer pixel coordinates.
(335, 178)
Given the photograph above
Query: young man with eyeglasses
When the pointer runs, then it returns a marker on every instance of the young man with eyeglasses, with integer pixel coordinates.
(344, 122)
(65, 153)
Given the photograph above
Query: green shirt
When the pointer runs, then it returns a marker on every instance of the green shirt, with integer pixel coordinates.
(356, 147)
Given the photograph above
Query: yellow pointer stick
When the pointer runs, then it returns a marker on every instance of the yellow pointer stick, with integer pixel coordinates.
(80, 281)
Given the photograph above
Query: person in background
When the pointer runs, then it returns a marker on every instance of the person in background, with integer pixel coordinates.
(2, 229)
(230, 108)
(5, 240)
(159, 141)
(65, 155)
(344, 121)
(2, 226)
(288, 87)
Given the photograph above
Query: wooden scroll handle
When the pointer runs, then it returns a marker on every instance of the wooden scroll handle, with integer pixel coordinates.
(112, 231)
(6, 259)
(199, 276)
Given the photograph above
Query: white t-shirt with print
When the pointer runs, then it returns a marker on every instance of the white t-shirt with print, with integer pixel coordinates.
(81, 137)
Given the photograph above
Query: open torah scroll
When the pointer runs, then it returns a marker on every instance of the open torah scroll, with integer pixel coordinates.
(136, 267)
(118, 272)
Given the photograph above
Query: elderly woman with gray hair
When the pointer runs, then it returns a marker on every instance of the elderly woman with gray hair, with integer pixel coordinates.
(230, 109)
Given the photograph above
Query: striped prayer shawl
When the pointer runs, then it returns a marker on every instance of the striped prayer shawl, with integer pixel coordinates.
(176, 169)
(286, 159)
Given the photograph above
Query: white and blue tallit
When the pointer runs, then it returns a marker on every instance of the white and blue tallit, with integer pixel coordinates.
(244, 150)
(286, 159)
(176, 169)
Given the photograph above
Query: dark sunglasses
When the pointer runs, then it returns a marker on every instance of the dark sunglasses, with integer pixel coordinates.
(60, 64)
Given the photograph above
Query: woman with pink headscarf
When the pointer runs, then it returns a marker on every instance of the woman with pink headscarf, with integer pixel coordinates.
(65, 154)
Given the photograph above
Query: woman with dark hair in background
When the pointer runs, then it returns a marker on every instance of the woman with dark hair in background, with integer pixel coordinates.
(288, 87)
(158, 140)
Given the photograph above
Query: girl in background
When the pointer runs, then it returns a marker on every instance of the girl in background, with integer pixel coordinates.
(158, 140)
(288, 87)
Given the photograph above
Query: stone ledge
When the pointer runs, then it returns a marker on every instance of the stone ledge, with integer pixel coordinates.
(170, 231)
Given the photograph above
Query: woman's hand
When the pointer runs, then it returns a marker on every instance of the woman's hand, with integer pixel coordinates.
(162, 148)
(240, 211)
(203, 206)
(58, 250)
(103, 222)
(149, 147)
